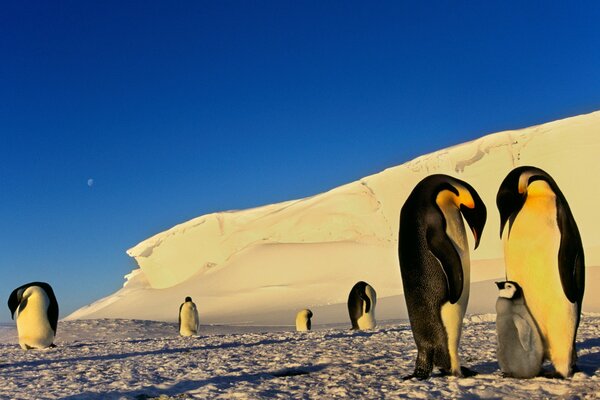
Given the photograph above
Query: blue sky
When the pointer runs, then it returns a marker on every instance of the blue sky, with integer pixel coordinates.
(178, 110)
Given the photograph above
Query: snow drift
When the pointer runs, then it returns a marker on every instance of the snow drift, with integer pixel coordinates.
(259, 266)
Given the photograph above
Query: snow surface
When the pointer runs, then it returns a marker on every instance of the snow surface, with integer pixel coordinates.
(130, 359)
(260, 266)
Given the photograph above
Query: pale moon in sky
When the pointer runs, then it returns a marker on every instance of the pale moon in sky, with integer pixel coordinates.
(90, 182)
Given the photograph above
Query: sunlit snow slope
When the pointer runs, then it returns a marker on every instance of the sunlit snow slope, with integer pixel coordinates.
(260, 266)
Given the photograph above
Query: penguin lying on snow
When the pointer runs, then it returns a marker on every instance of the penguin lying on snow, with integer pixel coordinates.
(189, 322)
(303, 320)
(35, 309)
(361, 306)
(543, 253)
(520, 347)
(435, 267)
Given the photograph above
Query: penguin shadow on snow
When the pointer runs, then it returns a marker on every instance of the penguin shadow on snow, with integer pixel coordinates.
(589, 363)
(119, 356)
(221, 382)
(365, 333)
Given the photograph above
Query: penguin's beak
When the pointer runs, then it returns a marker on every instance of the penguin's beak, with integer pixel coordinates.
(500, 285)
(475, 217)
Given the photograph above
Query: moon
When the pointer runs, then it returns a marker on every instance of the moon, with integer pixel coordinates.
(90, 182)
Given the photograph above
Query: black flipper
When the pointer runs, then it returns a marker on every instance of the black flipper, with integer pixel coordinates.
(180, 315)
(443, 249)
(570, 255)
(366, 299)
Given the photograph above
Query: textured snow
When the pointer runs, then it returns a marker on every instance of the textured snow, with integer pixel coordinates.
(260, 266)
(129, 359)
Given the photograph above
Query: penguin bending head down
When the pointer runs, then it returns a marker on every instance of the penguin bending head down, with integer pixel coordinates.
(303, 320)
(543, 253)
(189, 322)
(361, 306)
(35, 309)
(520, 347)
(435, 267)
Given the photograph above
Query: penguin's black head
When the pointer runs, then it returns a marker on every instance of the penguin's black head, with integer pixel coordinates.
(309, 313)
(509, 290)
(188, 299)
(14, 300)
(16, 297)
(513, 191)
(473, 210)
(475, 217)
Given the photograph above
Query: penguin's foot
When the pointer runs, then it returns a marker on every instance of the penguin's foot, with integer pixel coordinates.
(552, 375)
(467, 372)
(463, 373)
(52, 346)
(575, 369)
(419, 374)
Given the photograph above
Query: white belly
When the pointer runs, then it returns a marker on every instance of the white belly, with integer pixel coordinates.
(367, 320)
(452, 314)
(531, 257)
(32, 325)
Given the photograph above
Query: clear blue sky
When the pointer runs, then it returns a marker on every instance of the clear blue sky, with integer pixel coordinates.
(178, 109)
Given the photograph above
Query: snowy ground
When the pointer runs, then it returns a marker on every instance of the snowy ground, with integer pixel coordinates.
(112, 359)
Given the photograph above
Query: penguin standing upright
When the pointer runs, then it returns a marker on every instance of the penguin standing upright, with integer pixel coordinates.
(361, 306)
(435, 267)
(520, 347)
(35, 309)
(189, 322)
(303, 320)
(543, 253)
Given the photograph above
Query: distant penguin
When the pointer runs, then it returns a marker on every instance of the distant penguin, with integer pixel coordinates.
(520, 347)
(435, 267)
(35, 309)
(303, 320)
(361, 306)
(189, 322)
(543, 253)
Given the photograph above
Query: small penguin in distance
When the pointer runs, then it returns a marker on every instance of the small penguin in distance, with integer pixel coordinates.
(35, 309)
(435, 265)
(520, 347)
(189, 322)
(543, 253)
(303, 320)
(361, 306)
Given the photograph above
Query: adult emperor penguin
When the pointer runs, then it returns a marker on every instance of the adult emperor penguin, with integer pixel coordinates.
(303, 320)
(189, 322)
(543, 253)
(435, 267)
(361, 306)
(35, 309)
(520, 347)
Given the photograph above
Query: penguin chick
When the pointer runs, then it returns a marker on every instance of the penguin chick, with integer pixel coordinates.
(520, 347)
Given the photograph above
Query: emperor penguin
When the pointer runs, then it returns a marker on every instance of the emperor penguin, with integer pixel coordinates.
(35, 309)
(361, 306)
(435, 268)
(520, 347)
(543, 253)
(189, 322)
(303, 320)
